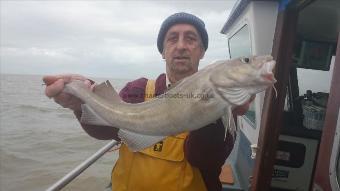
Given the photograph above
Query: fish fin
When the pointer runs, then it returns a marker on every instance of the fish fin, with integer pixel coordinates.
(232, 126)
(229, 123)
(137, 142)
(106, 91)
(89, 117)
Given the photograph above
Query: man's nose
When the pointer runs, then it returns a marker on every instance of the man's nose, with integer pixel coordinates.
(181, 44)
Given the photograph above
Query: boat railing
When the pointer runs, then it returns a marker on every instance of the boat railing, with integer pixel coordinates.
(81, 167)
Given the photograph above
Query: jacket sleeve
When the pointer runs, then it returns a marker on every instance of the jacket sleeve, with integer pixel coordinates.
(97, 131)
(208, 148)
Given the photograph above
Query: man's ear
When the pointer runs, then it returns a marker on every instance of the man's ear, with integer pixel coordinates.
(202, 54)
(163, 54)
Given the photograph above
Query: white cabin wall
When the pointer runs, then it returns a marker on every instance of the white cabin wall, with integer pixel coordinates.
(239, 23)
(263, 25)
(245, 19)
(260, 16)
(261, 20)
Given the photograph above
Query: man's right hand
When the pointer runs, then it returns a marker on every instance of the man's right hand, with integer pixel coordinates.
(54, 89)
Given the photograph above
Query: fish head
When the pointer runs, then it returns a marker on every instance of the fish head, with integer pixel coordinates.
(243, 77)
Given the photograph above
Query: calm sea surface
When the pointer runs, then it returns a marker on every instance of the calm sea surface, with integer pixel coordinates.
(40, 141)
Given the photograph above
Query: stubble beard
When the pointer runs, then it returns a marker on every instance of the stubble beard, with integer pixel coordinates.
(178, 71)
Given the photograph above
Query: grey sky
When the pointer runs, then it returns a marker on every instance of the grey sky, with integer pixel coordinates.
(113, 39)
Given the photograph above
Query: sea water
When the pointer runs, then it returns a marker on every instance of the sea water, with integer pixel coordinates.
(40, 141)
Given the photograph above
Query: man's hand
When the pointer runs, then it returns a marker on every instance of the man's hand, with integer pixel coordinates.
(54, 89)
(241, 110)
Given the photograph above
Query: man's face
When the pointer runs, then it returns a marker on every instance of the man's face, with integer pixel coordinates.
(182, 50)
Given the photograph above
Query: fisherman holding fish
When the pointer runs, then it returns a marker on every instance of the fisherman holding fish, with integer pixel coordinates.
(189, 161)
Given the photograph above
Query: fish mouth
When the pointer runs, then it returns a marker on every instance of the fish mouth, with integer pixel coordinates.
(269, 77)
(267, 71)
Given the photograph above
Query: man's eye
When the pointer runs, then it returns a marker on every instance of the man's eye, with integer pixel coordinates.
(191, 39)
(245, 60)
(172, 39)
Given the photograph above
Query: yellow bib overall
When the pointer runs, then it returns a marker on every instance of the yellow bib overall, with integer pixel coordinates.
(161, 167)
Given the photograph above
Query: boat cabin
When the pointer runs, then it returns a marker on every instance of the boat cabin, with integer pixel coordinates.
(289, 141)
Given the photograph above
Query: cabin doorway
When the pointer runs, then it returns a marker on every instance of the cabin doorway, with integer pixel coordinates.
(308, 71)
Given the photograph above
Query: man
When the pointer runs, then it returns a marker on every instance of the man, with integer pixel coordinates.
(185, 162)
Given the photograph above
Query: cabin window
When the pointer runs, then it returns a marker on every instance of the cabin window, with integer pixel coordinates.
(240, 46)
(239, 43)
(314, 55)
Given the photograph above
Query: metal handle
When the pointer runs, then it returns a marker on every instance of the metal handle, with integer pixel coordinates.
(80, 168)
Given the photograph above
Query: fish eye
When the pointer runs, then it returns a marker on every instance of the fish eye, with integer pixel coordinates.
(245, 60)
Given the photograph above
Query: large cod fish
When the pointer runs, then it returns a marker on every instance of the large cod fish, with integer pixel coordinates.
(190, 104)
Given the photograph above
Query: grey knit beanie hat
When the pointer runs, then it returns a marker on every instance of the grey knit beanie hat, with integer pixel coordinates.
(182, 18)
